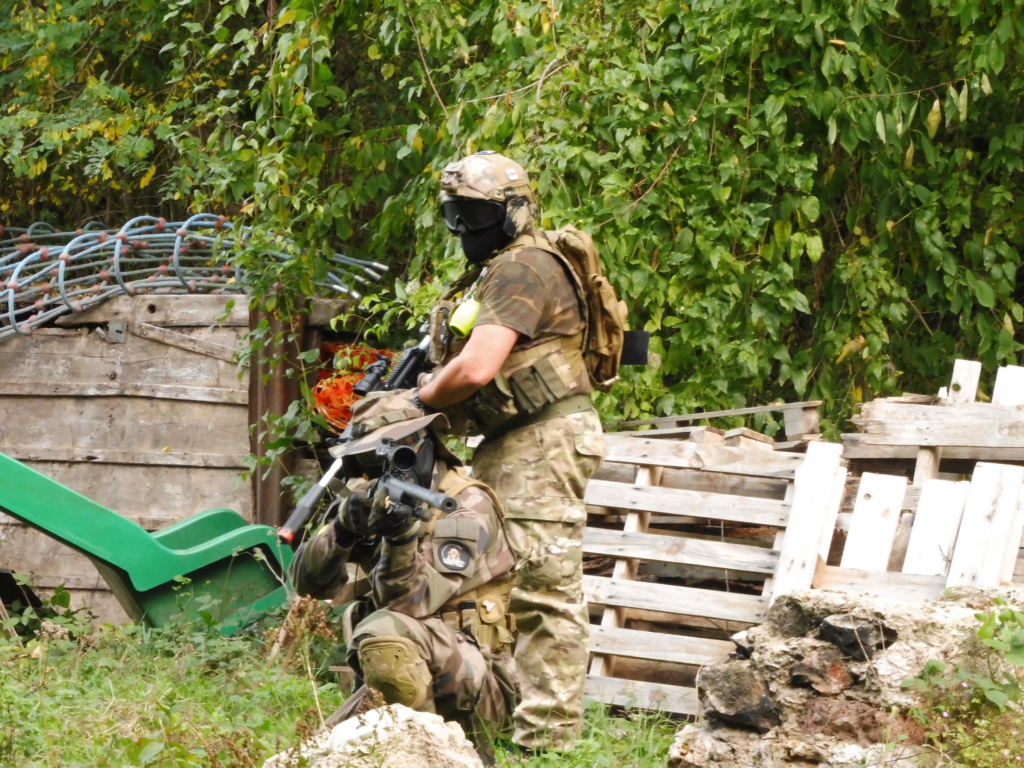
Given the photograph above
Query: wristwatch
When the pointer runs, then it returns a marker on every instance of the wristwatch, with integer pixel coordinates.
(420, 404)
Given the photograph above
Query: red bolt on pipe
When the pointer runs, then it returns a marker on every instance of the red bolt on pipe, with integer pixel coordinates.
(104, 275)
(160, 224)
(102, 238)
(13, 286)
(44, 254)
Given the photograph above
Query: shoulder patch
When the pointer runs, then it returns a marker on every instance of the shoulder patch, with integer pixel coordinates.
(454, 555)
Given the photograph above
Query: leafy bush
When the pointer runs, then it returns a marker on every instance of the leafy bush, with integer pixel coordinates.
(973, 716)
(799, 199)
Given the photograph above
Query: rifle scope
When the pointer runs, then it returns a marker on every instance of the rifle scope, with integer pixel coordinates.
(401, 457)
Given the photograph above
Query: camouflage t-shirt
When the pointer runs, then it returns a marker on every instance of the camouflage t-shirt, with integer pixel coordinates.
(529, 291)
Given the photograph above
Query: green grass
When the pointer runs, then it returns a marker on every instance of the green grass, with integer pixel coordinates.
(183, 696)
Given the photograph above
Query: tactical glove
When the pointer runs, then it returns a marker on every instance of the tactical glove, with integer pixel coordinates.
(352, 521)
(384, 521)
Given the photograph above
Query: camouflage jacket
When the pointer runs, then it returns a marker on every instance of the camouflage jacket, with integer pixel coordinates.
(455, 554)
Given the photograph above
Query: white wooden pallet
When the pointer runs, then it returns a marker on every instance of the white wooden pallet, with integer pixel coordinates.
(651, 637)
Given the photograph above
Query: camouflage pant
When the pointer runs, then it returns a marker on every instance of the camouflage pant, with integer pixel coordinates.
(470, 685)
(540, 473)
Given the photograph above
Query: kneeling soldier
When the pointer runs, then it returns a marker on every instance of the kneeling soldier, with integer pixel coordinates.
(434, 632)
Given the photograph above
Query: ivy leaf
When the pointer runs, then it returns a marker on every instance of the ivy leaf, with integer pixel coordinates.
(984, 294)
(815, 248)
(811, 208)
(934, 118)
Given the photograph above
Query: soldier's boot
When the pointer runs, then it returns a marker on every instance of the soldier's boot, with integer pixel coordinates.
(394, 667)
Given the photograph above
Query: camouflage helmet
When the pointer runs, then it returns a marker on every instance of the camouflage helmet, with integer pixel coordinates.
(488, 175)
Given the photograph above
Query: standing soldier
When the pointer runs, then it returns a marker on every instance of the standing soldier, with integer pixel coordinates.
(434, 633)
(509, 338)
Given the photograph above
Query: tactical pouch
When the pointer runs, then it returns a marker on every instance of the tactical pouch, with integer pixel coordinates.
(545, 381)
(495, 626)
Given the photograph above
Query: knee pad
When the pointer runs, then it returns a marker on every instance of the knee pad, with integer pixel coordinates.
(394, 667)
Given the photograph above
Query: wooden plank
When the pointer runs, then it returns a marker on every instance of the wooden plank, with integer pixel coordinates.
(131, 425)
(625, 568)
(149, 494)
(926, 467)
(151, 458)
(117, 389)
(890, 586)
(683, 551)
(711, 458)
(670, 501)
(963, 386)
(80, 360)
(968, 425)
(831, 514)
(672, 621)
(875, 517)
(184, 341)
(813, 492)
(658, 646)
(720, 482)
(668, 598)
(991, 515)
(801, 421)
(937, 522)
(722, 414)
(1009, 389)
(194, 310)
(633, 694)
(854, 448)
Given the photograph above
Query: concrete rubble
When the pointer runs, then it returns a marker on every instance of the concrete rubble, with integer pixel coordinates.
(389, 737)
(820, 682)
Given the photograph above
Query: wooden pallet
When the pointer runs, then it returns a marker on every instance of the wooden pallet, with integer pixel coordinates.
(697, 534)
(911, 540)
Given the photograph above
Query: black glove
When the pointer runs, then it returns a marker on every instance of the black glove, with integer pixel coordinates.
(353, 521)
(388, 522)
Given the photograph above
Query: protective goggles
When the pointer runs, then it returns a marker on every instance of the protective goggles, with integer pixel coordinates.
(467, 214)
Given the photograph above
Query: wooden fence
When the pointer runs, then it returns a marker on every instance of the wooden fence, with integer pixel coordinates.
(689, 541)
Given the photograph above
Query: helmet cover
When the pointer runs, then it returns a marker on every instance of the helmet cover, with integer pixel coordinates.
(490, 176)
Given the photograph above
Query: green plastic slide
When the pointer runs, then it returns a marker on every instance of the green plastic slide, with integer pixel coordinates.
(212, 561)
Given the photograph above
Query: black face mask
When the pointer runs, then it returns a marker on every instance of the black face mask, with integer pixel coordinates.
(481, 244)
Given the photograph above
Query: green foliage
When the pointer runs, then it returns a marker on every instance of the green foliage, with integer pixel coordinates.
(135, 696)
(971, 712)
(807, 199)
(632, 739)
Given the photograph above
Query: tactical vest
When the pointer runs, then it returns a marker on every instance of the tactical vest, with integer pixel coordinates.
(540, 379)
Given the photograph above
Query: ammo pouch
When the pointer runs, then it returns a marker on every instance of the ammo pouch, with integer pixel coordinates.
(531, 380)
(483, 614)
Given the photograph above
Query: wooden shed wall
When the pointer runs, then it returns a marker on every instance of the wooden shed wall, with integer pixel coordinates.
(136, 404)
